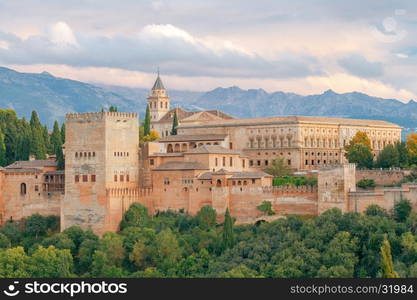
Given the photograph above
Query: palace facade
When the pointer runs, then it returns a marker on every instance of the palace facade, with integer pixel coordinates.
(214, 160)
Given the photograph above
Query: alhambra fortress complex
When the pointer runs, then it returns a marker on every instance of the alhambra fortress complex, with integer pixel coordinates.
(215, 159)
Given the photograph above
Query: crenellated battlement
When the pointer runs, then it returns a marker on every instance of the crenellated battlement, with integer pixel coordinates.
(119, 192)
(98, 115)
(290, 189)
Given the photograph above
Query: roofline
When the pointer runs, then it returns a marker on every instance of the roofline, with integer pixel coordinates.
(270, 121)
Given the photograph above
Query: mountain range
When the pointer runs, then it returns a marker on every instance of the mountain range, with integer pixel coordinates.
(52, 97)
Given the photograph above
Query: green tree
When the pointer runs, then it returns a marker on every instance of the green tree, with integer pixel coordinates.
(174, 124)
(4, 241)
(278, 168)
(266, 208)
(37, 141)
(3, 158)
(136, 215)
(376, 210)
(56, 143)
(111, 244)
(139, 254)
(228, 235)
(388, 157)
(113, 108)
(152, 136)
(403, 155)
(240, 271)
(402, 210)
(14, 263)
(35, 225)
(147, 122)
(63, 133)
(51, 263)
(166, 250)
(387, 266)
(361, 155)
(412, 147)
(360, 138)
(206, 217)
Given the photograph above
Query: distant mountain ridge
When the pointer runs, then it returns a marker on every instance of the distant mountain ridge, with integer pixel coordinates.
(52, 97)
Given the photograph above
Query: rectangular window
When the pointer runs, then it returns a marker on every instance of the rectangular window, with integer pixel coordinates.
(231, 161)
(259, 163)
(231, 145)
(251, 163)
(85, 178)
(36, 188)
(216, 161)
(289, 162)
(122, 178)
(266, 162)
(115, 177)
(253, 181)
(127, 178)
(93, 178)
(151, 162)
(77, 178)
(243, 163)
(306, 162)
(224, 161)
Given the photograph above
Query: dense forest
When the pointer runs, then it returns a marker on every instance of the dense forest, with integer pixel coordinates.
(175, 244)
(20, 138)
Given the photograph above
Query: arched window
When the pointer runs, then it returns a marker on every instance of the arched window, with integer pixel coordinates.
(23, 188)
(170, 148)
(219, 182)
(76, 154)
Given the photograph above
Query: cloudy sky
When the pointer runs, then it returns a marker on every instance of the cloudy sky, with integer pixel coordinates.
(301, 46)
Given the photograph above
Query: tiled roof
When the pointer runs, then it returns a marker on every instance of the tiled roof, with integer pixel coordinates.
(22, 170)
(215, 149)
(291, 120)
(38, 163)
(235, 175)
(180, 165)
(193, 137)
(57, 172)
(202, 115)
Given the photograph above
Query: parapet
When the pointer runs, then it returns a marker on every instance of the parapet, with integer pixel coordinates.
(290, 189)
(98, 115)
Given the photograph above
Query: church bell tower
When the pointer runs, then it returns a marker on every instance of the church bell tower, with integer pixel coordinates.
(158, 100)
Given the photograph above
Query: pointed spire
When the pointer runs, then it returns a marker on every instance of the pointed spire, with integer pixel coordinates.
(158, 85)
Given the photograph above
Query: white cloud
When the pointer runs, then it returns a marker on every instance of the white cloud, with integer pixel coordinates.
(61, 35)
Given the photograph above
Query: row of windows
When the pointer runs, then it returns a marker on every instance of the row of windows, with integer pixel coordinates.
(274, 153)
(85, 154)
(320, 143)
(187, 181)
(121, 178)
(269, 143)
(85, 178)
(121, 154)
(319, 162)
(161, 104)
(216, 162)
(265, 163)
(273, 130)
(318, 153)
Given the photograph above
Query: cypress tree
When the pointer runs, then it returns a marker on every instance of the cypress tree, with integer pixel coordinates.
(63, 133)
(3, 160)
(174, 124)
(37, 141)
(47, 141)
(228, 236)
(23, 141)
(147, 123)
(56, 142)
(386, 262)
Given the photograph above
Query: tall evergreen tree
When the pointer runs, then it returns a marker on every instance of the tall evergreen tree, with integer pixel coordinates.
(228, 236)
(48, 146)
(23, 141)
(37, 142)
(3, 160)
(113, 108)
(403, 153)
(147, 122)
(174, 124)
(56, 142)
(63, 133)
(387, 265)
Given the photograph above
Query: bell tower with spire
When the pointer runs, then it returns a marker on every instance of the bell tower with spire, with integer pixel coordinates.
(158, 100)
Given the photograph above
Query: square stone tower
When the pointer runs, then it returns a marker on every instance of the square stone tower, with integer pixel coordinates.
(101, 152)
(334, 184)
